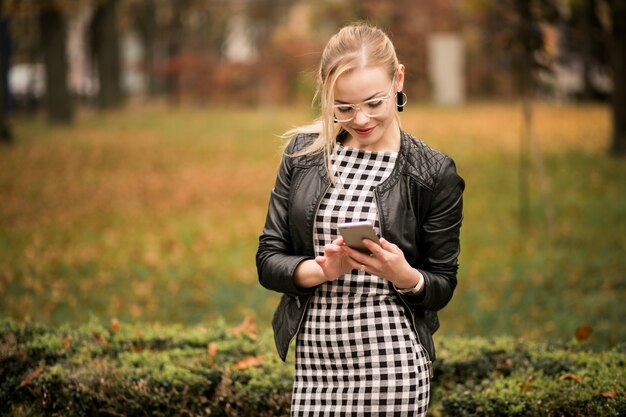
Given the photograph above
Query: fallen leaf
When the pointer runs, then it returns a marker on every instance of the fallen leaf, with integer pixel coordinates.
(32, 375)
(67, 342)
(609, 394)
(115, 326)
(248, 327)
(583, 333)
(212, 349)
(249, 362)
(525, 386)
(576, 378)
(135, 310)
(99, 338)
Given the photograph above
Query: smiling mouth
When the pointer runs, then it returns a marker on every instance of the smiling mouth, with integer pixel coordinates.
(364, 132)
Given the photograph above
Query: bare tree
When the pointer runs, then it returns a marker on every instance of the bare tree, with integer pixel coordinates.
(5, 42)
(53, 33)
(106, 50)
(144, 18)
(617, 45)
(40, 32)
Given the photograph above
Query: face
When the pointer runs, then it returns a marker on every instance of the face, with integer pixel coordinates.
(372, 94)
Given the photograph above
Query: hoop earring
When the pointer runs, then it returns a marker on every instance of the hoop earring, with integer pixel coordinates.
(401, 100)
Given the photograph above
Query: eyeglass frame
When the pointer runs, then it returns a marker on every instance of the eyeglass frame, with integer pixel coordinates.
(357, 107)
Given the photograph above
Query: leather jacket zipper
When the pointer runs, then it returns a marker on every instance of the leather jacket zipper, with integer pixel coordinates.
(429, 363)
(306, 306)
(298, 302)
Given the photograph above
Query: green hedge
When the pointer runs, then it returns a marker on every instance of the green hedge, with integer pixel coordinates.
(139, 370)
(504, 377)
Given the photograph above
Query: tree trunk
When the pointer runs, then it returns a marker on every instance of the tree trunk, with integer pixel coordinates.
(618, 61)
(586, 48)
(105, 46)
(529, 143)
(146, 26)
(173, 75)
(525, 87)
(53, 41)
(5, 53)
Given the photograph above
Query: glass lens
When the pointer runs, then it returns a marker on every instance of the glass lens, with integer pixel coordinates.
(344, 113)
(375, 107)
(370, 108)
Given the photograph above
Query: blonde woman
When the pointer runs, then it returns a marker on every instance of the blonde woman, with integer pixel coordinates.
(363, 322)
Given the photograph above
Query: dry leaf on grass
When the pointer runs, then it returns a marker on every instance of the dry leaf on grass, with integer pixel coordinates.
(583, 333)
(99, 339)
(249, 362)
(115, 326)
(575, 377)
(67, 342)
(247, 327)
(526, 385)
(32, 375)
(609, 394)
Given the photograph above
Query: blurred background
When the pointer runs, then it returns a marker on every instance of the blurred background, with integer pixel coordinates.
(140, 145)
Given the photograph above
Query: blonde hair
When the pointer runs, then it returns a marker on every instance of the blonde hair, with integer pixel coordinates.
(354, 46)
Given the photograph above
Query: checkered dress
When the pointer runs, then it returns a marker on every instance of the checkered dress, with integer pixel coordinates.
(356, 353)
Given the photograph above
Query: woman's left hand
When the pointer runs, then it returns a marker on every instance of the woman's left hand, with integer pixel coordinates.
(386, 261)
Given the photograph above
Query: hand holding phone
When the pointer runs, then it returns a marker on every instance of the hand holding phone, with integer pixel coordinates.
(354, 233)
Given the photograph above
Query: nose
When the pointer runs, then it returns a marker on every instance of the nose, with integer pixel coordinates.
(360, 118)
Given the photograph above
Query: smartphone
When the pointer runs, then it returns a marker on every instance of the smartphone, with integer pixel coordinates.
(354, 233)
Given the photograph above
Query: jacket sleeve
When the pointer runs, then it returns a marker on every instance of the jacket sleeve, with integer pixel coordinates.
(440, 245)
(275, 260)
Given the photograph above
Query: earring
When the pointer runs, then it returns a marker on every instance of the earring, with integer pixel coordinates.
(401, 100)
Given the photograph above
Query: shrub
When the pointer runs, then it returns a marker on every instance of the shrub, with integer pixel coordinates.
(141, 370)
(504, 377)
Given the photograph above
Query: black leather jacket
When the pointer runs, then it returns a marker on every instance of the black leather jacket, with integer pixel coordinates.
(420, 208)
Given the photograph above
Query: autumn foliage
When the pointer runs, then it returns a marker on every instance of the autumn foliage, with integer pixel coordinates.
(152, 215)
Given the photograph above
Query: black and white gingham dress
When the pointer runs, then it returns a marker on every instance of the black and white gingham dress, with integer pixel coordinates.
(356, 353)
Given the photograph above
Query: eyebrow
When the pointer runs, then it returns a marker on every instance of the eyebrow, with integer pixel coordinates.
(369, 98)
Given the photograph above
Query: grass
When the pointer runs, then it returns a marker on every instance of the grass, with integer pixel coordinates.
(153, 214)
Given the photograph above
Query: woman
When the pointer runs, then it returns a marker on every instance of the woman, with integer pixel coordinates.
(364, 322)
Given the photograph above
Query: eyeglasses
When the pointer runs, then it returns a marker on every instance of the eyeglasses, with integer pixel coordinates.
(373, 107)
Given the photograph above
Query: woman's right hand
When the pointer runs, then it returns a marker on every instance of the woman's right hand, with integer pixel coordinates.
(334, 262)
(327, 267)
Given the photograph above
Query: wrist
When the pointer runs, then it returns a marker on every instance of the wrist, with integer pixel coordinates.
(309, 274)
(413, 289)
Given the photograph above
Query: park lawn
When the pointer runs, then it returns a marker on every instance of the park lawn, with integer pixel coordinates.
(153, 214)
